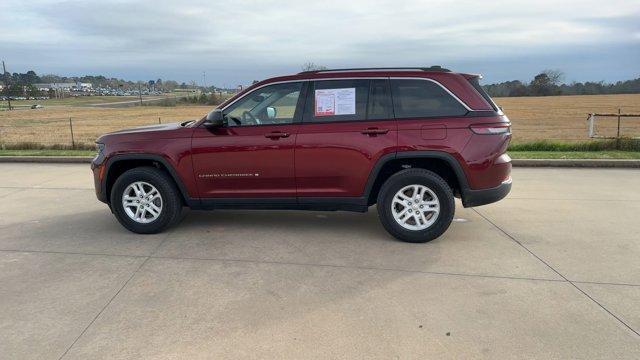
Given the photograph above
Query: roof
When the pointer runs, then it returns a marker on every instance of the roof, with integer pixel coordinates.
(434, 68)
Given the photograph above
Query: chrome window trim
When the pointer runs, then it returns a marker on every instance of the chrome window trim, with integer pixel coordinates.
(354, 78)
(366, 70)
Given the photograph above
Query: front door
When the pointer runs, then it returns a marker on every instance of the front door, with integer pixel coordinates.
(347, 126)
(252, 156)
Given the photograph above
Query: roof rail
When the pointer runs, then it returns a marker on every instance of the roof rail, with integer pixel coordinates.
(436, 68)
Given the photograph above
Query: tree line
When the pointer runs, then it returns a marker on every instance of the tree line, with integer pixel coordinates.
(30, 78)
(549, 83)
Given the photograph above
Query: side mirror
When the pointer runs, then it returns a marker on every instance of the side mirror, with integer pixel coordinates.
(214, 119)
(271, 112)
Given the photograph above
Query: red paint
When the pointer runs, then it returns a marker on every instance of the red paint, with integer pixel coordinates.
(320, 159)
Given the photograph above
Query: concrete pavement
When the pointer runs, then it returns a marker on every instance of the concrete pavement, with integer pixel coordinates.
(550, 272)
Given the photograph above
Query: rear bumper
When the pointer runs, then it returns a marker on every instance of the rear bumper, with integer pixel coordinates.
(471, 198)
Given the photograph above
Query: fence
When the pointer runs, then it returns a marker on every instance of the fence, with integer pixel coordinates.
(62, 133)
(78, 127)
(619, 116)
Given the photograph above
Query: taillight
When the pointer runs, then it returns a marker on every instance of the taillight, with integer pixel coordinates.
(491, 129)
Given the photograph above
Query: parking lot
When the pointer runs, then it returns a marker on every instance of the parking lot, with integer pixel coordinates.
(553, 271)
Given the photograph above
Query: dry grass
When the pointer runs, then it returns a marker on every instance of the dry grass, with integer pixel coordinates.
(565, 117)
(533, 118)
(50, 126)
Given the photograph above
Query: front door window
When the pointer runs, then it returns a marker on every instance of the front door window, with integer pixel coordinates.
(270, 105)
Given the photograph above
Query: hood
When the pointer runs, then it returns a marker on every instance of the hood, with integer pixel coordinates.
(149, 132)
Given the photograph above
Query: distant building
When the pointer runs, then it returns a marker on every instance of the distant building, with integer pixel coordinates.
(79, 86)
(54, 86)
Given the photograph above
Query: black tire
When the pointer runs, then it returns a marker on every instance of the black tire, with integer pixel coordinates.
(419, 177)
(171, 199)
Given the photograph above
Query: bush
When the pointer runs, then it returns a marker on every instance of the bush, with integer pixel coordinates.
(202, 99)
(593, 145)
(39, 146)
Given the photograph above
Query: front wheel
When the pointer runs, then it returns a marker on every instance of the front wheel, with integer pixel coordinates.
(416, 205)
(145, 200)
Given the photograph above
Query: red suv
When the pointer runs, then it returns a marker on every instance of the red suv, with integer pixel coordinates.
(406, 139)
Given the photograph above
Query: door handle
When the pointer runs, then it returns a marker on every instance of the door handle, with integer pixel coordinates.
(276, 135)
(374, 131)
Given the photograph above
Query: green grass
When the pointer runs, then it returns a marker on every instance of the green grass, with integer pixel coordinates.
(47, 152)
(591, 145)
(514, 154)
(612, 154)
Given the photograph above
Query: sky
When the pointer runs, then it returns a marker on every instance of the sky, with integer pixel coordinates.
(235, 42)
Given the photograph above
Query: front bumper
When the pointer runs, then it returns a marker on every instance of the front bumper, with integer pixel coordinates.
(471, 198)
(98, 166)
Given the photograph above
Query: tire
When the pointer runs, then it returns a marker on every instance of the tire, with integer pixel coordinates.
(416, 228)
(170, 200)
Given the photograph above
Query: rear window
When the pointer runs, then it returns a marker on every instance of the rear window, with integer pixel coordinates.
(414, 98)
(475, 82)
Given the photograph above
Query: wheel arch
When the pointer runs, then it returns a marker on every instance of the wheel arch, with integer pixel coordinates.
(118, 164)
(442, 163)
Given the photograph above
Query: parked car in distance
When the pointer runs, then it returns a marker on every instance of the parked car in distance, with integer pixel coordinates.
(408, 140)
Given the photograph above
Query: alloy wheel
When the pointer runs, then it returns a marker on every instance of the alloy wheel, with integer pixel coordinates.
(415, 207)
(142, 202)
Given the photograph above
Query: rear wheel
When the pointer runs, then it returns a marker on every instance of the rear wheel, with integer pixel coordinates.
(416, 205)
(145, 200)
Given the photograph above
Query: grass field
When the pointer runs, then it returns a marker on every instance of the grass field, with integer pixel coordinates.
(565, 117)
(534, 118)
(80, 100)
(574, 154)
(50, 126)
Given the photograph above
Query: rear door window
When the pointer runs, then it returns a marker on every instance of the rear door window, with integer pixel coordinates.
(337, 100)
(413, 98)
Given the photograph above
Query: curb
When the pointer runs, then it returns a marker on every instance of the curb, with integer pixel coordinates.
(577, 163)
(561, 163)
(47, 159)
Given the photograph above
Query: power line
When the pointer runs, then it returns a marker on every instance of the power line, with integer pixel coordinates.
(4, 72)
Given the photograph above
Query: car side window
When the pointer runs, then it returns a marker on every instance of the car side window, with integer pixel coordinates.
(414, 98)
(337, 100)
(269, 105)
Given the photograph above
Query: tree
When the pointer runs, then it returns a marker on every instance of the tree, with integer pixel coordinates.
(541, 85)
(555, 76)
(310, 66)
(32, 91)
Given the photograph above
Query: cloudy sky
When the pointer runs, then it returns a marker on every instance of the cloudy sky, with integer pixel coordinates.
(237, 41)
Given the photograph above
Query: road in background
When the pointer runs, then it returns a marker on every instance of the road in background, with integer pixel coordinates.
(550, 272)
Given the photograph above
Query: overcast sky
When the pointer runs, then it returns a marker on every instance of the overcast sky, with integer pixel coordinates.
(237, 41)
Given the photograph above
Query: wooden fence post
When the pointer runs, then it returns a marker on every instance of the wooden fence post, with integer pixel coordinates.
(618, 133)
(73, 142)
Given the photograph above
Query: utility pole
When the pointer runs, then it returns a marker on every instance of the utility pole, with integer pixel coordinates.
(4, 71)
(204, 79)
(140, 93)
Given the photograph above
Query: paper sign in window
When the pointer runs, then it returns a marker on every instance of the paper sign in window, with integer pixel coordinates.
(331, 102)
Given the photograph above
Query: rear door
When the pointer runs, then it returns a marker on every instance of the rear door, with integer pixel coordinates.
(346, 127)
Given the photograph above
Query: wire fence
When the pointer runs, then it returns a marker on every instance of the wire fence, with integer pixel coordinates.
(69, 132)
(78, 127)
